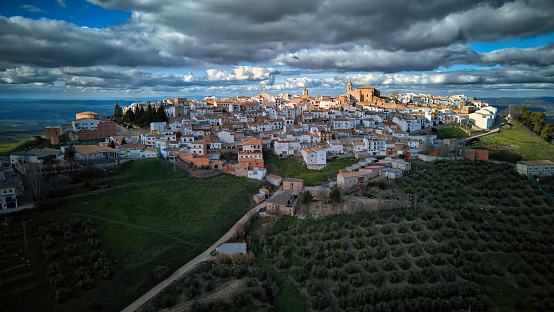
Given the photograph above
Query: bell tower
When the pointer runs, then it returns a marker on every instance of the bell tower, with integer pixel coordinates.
(349, 86)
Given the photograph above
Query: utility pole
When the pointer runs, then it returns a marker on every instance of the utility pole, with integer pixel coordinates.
(24, 235)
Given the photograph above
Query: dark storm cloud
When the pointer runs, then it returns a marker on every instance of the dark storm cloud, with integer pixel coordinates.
(53, 43)
(199, 33)
(367, 59)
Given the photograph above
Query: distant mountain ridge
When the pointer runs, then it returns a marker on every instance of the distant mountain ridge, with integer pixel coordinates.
(546, 103)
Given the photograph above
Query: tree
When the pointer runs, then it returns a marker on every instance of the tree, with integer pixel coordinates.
(335, 195)
(306, 197)
(69, 153)
(547, 132)
(111, 144)
(129, 116)
(35, 182)
(118, 111)
(160, 114)
(123, 141)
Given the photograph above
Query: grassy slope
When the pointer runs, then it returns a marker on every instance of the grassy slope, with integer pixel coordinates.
(152, 216)
(516, 141)
(290, 167)
(452, 132)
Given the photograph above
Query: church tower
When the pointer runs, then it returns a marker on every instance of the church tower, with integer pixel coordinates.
(349, 86)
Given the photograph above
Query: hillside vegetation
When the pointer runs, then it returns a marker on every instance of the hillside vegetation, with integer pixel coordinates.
(294, 168)
(148, 221)
(482, 237)
(516, 142)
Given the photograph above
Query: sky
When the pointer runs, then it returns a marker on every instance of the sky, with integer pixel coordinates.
(155, 49)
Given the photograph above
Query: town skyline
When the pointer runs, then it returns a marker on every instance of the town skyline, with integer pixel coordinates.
(126, 49)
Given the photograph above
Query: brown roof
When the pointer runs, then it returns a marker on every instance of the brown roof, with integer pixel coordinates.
(350, 174)
(91, 149)
(272, 176)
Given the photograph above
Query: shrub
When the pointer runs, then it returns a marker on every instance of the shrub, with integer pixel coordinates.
(387, 265)
(336, 274)
(297, 274)
(414, 250)
(396, 251)
(422, 262)
(404, 264)
(396, 277)
(281, 262)
(241, 299)
(422, 236)
(318, 272)
(351, 268)
(414, 277)
(379, 253)
(365, 254)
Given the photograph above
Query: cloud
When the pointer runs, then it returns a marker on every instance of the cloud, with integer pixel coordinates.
(61, 3)
(110, 77)
(201, 34)
(32, 8)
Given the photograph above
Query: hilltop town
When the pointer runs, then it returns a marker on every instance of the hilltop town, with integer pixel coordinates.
(230, 135)
(251, 165)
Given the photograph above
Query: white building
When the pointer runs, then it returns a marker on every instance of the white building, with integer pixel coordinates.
(314, 156)
(286, 147)
(484, 118)
(85, 124)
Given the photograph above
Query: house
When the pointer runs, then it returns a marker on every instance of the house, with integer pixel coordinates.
(539, 168)
(400, 164)
(33, 156)
(349, 179)
(291, 184)
(95, 154)
(282, 204)
(318, 192)
(149, 152)
(359, 147)
(262, 195)
(314, 156)
(256, 173)
(103, 130)
(484, 118)
(390, 173)
(130, 150)
(473, 154)
(286, 147)
(273, 179)
(230, 249)
(334, 147)
(8, 198)
(252, 146)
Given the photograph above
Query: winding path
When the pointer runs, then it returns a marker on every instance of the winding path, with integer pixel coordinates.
(192, 263)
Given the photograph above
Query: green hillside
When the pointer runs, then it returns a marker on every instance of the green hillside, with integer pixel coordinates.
(143, 217)
(481, 237)
(516, 142)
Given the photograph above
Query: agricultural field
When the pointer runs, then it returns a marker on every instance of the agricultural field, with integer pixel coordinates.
(481, 237)
(515, 142)
(148, 221)
(294, 168)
